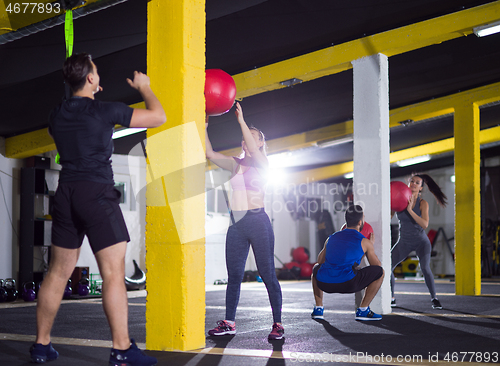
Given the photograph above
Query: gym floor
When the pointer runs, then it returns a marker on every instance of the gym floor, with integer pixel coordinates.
(466, 331)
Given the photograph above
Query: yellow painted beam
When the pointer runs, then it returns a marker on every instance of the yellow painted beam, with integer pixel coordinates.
(445, 105)
(433, 148)
(489, 135)
(467, 201)
(415, 112)
(319, 174)
(302, 140)
(175, 193)
(310, 138)
(29, 144)
(393, 42)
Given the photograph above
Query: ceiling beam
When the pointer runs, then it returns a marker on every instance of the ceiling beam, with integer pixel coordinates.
(416, 112)
(338, 58)
(35, 142)
(433, 148)
(329, 61)
(29, 144)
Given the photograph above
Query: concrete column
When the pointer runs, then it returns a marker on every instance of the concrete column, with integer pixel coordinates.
(467, 201)
(175, 200)
(371, 161)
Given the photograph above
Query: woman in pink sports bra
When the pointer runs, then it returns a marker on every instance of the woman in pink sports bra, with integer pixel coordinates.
(250, 225)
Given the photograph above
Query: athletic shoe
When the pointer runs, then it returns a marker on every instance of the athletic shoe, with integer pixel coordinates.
(41, 354)
(393, 303)
(222, 328)
(277, 332)
(436, 304)
(131, 357)
(317, 313)
(367, 315)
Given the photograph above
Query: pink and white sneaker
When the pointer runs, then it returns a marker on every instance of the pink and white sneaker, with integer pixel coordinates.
(277, 332)
(223, 327)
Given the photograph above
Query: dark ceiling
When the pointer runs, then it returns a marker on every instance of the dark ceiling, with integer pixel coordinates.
(247, 34)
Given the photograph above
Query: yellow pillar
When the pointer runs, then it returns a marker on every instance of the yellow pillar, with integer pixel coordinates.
(175, 200)
(467, 201)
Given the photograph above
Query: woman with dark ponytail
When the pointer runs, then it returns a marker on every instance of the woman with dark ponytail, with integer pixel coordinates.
(412, 237)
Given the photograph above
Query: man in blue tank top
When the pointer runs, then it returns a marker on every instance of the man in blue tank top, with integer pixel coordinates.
(337, 268)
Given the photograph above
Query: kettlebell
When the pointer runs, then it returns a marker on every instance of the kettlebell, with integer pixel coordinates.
(29, 291)
(3, 292)
(10, 287)
(68, 290)
(37, 288)
(83, 287)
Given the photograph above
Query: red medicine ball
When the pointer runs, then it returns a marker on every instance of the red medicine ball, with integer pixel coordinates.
(290, 265)
(220, 91)
(300, 254)
(306, 269)
(400, 195)
(366, 231)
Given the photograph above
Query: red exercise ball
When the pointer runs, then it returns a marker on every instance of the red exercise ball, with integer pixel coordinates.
(306, 269)
(220, 91)
(366, 231)
(400, 195)
(290, 265)
(300, 254)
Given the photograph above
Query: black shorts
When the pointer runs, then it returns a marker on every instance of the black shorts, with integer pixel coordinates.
(363, 278)
(87, 208)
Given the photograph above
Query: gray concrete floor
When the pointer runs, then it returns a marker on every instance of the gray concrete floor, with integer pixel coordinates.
(414, 331)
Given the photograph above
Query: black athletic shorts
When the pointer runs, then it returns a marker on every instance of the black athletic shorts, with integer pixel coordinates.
(87, 208)
(363, 278)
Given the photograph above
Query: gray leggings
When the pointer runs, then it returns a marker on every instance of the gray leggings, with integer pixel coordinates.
(422, 246)
(251, 228)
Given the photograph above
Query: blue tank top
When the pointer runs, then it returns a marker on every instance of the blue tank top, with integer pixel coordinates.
(343, 254)
(407, 225)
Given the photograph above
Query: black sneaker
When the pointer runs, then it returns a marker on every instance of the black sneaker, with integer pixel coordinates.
(41, 354)
(131, 357)
(393, 303)
(436, 304)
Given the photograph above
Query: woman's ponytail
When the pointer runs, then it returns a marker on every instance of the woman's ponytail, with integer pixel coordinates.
(433, 188)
